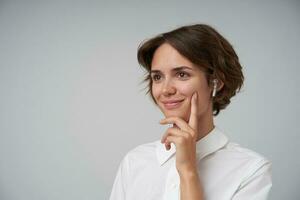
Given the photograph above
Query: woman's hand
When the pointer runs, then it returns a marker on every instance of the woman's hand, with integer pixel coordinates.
(184, 136)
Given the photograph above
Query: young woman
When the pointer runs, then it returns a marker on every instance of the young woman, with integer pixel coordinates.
(193, 72)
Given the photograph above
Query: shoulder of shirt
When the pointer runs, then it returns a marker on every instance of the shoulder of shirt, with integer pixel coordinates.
(244, 152)
(142, 150)
(256, 162)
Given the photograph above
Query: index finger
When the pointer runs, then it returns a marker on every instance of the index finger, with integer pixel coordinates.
(193, 121)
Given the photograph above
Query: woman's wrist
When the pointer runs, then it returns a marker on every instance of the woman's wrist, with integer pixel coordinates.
(190, 185)
(188, 173)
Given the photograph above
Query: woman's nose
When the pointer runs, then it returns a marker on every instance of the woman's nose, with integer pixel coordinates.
(168, 88)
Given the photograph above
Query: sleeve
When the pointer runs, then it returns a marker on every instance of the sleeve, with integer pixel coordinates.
(119, 187)
(257, 185)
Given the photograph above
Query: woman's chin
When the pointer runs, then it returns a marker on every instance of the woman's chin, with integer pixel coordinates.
(175, 113)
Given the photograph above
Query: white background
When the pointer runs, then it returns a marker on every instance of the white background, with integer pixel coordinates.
(72, 103)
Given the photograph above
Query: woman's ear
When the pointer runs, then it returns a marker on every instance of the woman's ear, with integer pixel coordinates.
(217, 83)
(220, 85)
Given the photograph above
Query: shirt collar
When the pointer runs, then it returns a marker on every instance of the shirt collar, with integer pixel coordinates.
(212, 142)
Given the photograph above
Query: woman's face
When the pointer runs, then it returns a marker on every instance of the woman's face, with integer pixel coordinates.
(174, 78)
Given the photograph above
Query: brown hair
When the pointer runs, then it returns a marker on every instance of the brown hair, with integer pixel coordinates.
(205, 47)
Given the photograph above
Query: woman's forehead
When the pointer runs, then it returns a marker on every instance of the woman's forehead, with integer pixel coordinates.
(166, 55)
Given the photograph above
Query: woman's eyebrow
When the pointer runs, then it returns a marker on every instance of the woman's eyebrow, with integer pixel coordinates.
(174, 69)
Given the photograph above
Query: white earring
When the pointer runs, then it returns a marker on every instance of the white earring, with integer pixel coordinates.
(215, 81)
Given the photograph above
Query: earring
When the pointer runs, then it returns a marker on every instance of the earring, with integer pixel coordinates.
(215, 81)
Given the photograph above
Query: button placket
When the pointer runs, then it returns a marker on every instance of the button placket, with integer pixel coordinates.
(172, 184)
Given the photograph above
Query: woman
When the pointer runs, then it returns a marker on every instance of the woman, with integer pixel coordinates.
(193, 72)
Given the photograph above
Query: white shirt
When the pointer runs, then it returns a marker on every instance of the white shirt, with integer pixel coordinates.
(226, 171)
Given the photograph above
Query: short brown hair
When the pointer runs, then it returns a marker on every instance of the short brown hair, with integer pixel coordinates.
(205, 47)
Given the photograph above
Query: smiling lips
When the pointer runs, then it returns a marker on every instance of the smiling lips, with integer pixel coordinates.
(171, 104)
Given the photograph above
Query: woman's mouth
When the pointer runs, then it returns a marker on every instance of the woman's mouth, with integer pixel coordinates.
(172, 104)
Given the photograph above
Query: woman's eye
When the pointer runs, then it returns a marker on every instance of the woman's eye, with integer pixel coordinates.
(182, 75)
(155, 77)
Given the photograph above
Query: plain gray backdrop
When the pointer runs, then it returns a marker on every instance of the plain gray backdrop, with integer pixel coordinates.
(72, 101)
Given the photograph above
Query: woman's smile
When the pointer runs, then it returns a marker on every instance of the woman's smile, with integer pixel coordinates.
(172, 104)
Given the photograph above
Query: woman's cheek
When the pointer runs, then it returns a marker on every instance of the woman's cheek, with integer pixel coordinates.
(188, 90)
(154, 91)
